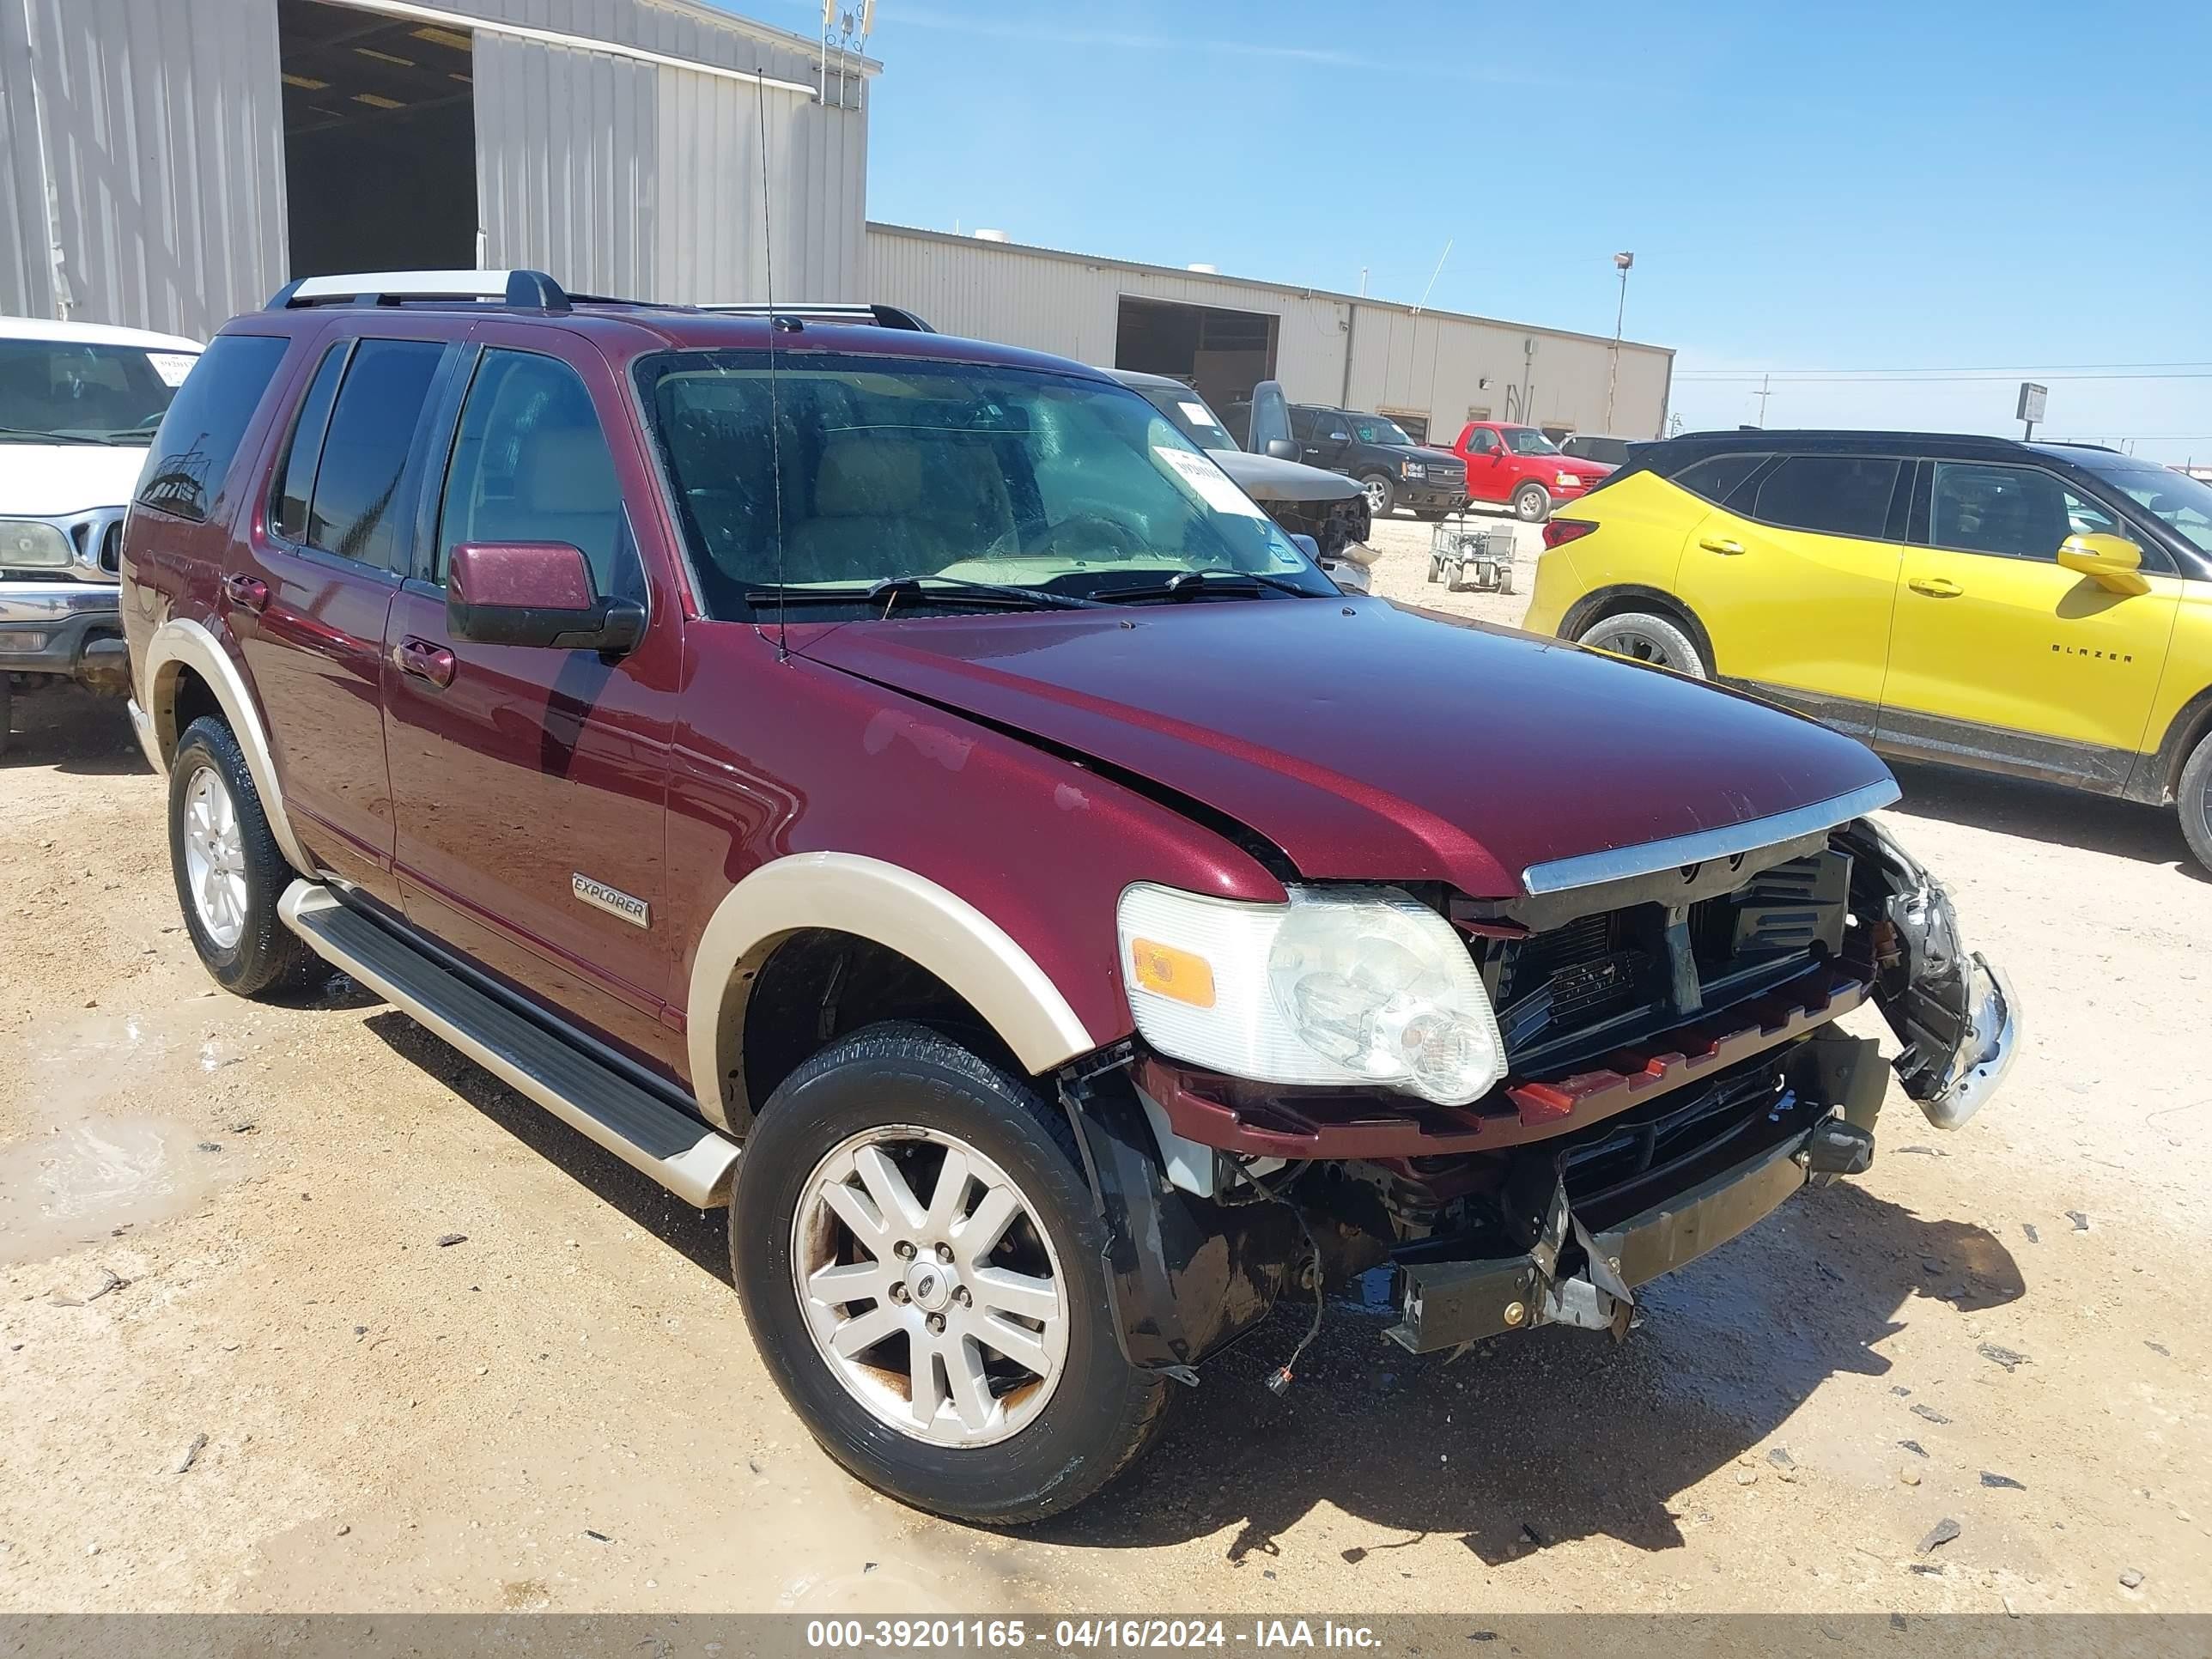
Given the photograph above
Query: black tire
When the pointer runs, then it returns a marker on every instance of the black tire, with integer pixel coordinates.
(2193, 801)
(1646, 636)
(1381, 493)
(1532, 503)
(266, 955)
(1102, 1411)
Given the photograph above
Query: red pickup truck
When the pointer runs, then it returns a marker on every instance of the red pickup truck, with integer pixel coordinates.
(901, 789)
(1520, 465)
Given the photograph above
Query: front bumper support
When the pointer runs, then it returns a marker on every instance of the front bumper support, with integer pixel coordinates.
(1446, 1304)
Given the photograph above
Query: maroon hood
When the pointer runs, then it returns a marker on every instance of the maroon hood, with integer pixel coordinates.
(1367, 741)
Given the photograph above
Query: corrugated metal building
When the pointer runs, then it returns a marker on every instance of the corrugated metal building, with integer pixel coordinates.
(1434, 370)
(166, 163)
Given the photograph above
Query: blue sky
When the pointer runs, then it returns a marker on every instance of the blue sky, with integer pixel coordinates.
(2007, 185)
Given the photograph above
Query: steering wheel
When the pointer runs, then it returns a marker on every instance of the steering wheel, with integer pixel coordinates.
(1119, 537)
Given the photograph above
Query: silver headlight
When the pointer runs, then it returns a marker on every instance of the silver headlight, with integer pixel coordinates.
(27, 544)
(1361, 985)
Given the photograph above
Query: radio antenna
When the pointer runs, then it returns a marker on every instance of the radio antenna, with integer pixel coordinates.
(775, 407)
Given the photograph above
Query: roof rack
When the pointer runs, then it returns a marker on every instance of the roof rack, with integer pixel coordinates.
(524, 290)
(830, 311)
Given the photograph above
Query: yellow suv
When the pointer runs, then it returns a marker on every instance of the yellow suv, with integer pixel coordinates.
(2042, 610)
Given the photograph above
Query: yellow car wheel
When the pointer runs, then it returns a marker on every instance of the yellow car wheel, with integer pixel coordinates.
(2194, 801)
(1643, 636)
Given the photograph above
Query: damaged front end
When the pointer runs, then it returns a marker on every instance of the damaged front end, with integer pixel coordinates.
(1952, 1009)
(1675, 1072)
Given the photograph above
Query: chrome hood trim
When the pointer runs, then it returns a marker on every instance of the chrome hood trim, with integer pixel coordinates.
(1650, 858)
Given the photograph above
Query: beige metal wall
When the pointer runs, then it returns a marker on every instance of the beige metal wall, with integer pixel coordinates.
(620, 177)
(1330, 348)
(142, 169)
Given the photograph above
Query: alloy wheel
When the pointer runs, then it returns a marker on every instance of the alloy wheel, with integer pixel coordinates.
(215, 858)
(946, 1317)
(1627, 640)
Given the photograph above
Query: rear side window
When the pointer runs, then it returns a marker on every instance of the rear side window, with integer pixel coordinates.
(1716, 477)
(372, 429)
(1833, 494)
(530, 464)
(298, 483)
(191, 455)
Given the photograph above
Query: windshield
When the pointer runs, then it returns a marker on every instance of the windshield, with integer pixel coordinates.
(2180, 503)
(1378, 429)
(1190, 414)
(893, 468)
(1526, 440)
(67, 392)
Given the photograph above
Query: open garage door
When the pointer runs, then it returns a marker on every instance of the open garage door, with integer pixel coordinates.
(379, 141)
(1224, 353)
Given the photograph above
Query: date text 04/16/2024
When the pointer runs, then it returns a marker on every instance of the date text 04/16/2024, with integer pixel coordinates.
(1085, 1635)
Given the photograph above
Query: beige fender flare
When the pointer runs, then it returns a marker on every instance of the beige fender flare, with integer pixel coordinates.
(181, 643)
(891, 906)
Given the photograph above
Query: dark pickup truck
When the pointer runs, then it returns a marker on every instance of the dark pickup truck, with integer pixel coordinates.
(901, 789)
(1393, 468)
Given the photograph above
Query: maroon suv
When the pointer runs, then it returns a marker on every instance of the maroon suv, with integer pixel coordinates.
(914, 762)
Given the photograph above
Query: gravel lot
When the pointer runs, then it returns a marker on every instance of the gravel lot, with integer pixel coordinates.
(241, 1369)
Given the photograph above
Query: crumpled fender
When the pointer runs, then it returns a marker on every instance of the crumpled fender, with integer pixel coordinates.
(1954, 1010)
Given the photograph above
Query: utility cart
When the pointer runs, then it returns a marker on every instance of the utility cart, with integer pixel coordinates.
(1466, 554)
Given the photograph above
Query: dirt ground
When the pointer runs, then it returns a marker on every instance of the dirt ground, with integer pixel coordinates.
(242, 1367)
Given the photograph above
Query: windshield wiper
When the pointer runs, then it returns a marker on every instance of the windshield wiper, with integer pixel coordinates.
(32, 434)
(1189, 583)
(891, 589)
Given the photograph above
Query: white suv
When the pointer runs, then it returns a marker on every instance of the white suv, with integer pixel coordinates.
(79, 403)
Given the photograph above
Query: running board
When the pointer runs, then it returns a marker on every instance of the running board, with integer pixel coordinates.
(638, 1126)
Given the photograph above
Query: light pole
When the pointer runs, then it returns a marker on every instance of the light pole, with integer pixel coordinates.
(1621, 262)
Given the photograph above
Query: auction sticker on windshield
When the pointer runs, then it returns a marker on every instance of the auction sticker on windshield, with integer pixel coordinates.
(1207, 482)
(172, 366)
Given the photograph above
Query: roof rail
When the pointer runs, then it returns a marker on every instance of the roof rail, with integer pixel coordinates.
(830, 311)
(524, 290)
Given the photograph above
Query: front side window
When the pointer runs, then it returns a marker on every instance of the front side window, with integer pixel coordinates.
(1526, 440)
(356, 503)
(1481, 440)
(1834, 495)
(530, 464)
(881, 469)
(2018, 512)
(199, 434)
(2181, 503)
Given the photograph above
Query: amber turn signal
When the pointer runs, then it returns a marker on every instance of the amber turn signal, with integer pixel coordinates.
(1163, 969)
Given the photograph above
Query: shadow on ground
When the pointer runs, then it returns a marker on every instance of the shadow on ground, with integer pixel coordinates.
(69, 728)
(1521, 1443)
(2047, 813)
(1529, 1440)
(701, 1236)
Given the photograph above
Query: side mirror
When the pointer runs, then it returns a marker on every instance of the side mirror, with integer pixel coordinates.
(1306, 545)
(1283, 449)
(2113, 563)
(535, 593)
(1339, 437)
